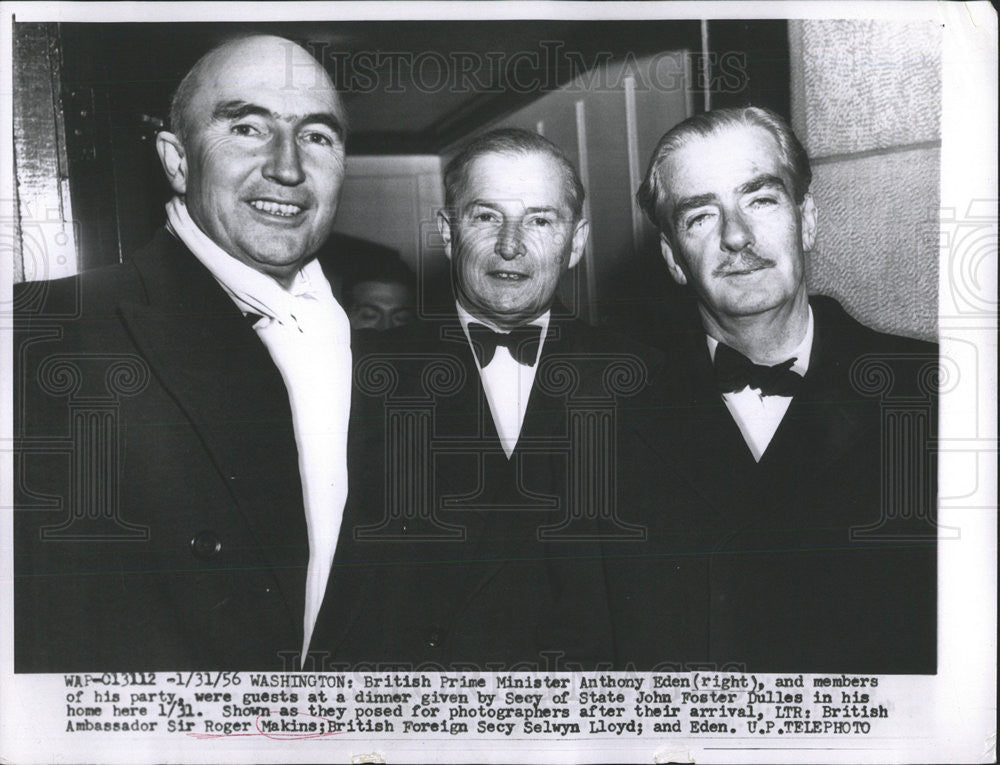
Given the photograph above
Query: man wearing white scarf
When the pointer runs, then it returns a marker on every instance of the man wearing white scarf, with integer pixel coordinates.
(309, 338)
(215, 552)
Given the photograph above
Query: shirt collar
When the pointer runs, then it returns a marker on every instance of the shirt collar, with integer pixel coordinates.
(802, 352)
(465, 317)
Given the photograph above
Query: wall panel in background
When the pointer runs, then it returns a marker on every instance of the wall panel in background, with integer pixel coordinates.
(393, 201)
(590, 118)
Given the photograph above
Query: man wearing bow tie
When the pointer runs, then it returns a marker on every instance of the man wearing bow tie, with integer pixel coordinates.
(805, 508)
(514, 575)
(513, 227)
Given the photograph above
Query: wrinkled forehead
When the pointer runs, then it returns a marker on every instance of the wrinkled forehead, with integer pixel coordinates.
(273, 73)
(721, 161)
(520, 179)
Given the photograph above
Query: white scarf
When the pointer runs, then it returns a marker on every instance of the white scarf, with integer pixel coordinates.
(308, 336)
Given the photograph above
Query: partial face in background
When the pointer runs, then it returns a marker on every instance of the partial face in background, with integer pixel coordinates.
(735, 231)
(261, 159)
(380, 305)
(512, 237)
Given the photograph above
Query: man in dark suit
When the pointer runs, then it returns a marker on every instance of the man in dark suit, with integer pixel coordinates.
(182, 418)
(500, 421)
(789, 447)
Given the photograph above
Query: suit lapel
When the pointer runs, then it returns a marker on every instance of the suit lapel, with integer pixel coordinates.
(466, 417)
(696, 432)
(207, 356)
(495, 536)
(545, 418)
(463, 432)
(686, 422)
(821, 425)
(355, 563)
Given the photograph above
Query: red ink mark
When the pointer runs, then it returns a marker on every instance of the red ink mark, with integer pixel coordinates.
(277, 734)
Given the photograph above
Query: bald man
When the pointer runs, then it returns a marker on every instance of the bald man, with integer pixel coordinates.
(185, 413)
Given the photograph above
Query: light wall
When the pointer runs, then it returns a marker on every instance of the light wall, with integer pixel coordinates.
(866, 103)
(392, 201)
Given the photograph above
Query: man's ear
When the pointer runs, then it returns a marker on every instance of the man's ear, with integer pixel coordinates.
(808, 212)
(581, 232)
(673, 265)
(444, 228)
(174, 160)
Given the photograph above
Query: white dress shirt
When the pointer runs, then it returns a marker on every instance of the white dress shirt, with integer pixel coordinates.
(308, 336)
(757, 416)
(506, 382)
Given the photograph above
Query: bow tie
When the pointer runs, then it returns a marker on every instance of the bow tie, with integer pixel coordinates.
(734, 372)
(522, 342)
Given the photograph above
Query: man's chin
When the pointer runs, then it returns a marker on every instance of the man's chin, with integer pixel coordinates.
(750, 304)
(279, 264)
(501, 314)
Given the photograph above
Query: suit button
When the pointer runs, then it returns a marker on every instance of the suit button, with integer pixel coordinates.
(435, 637)
(205, 545)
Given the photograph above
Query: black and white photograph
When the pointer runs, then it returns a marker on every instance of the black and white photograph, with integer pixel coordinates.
(518, 382)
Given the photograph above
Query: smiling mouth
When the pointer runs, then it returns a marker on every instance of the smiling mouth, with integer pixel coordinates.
(510, 276)
(277, 209)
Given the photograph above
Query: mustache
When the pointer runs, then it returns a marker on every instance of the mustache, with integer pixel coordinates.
(745, 260)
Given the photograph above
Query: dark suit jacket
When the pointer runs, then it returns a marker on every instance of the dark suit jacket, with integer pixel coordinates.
(159, 521)
(819, 558)
(498, 558)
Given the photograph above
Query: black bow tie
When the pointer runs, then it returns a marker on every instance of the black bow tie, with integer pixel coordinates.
(734, 372)
(522, 342)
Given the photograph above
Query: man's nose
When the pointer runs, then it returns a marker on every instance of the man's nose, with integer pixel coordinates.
(510, 243)
(284, 163)
(736, 233)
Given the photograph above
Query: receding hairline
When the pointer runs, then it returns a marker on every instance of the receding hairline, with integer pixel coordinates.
(208, 64)
(566, 177)
(718, 131)
(511, 141)
(653, 194)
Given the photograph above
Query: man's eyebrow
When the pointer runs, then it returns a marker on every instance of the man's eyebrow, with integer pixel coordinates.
(324, 118)
(237, 110)
(527, 210)
(762, 182)
(690, 203)
(482, 203)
